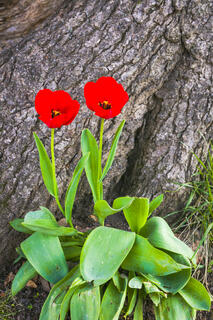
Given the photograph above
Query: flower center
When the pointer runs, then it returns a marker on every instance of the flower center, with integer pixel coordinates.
(55, 113)
(105, 105)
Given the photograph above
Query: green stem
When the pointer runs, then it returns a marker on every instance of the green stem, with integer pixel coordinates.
(100, 188)
(54, 176)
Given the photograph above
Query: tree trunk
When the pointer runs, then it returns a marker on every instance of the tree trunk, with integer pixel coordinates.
(159, 51)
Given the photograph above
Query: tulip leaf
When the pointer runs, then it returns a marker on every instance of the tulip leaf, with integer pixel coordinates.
(102, 209)
(174, 307)
(117, 280)
(43, 221)
(52, 306)
(136, 282)
(85, 303)
(46, 166)
(154, 204)
(25, 273)
(72, 188)
(113, 301)
(122, 202)
(112, 150)
(159, 234)
(195, 294)
(145, 258)
(89, 144)
(72, 252)
(65, 305)
(173, 282)
(136, 214)
(154, 293)
(44, 215)
(103, 252)
(45, 254)
(138, 313)
(20, 255)
(131, 303)
(17, 225)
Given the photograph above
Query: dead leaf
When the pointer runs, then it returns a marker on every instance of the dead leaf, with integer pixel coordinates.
(93, 218)
(9, 278)
(45, 284)
(31, 284)
(62, 222)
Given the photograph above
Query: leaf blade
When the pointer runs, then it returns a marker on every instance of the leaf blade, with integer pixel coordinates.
(45, 165)
(112, 151)
(46, 255)
(72, 188)
(99, 263)
(25, 273)
(195, 294)
(89, 144)
(136, 214)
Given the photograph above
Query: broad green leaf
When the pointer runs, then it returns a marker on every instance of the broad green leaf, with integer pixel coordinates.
(122, 202)
(72, 188)
(173, 282)
(113, 301)
(131, 303)
(52, 305)
(144, 258)
(154, 204)
(159, 234)
(44, 215)
(45, 254)
(89, 144)
(138, 313)
(103, 252)
(17, 225)
(25, 273)
(46, 165)
(195, 294)
(43, 221)
(136, 214)
(85, 303)
(102, 209)
(65, 305)
(174, 308)
(112, 150)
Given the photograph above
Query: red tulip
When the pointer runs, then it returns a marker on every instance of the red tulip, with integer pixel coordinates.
(105, 97)
(56, 108)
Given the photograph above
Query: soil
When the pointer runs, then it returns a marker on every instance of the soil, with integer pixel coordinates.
(27, 304)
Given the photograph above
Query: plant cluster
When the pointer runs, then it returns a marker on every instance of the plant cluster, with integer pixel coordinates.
(199, 207)
(106, 272)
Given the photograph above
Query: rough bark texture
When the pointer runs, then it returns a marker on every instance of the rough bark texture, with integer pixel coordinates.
(158, 50)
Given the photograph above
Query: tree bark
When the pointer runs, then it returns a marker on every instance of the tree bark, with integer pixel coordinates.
(158, 50)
